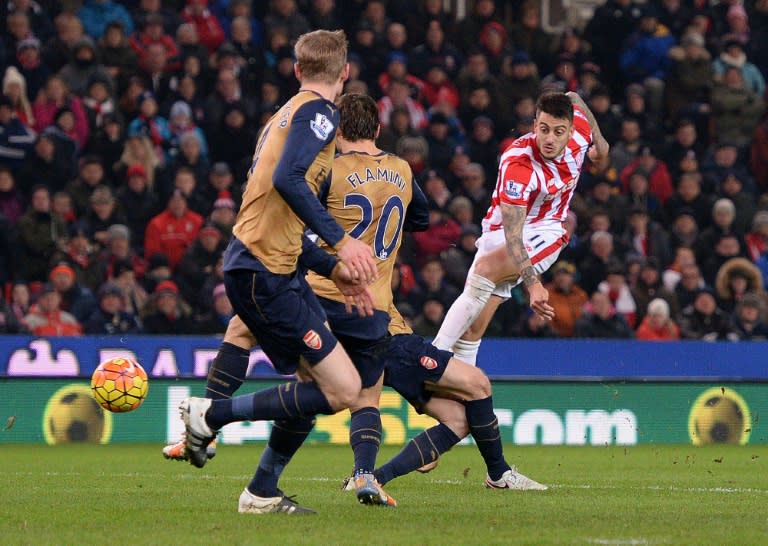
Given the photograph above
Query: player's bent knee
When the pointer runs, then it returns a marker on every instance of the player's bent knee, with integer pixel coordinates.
(478, 384)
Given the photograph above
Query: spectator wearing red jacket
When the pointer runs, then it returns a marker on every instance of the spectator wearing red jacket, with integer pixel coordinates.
(655, 170)
(153, 33)
(209, 30)
(172, 231)
(46, 318)
(443, 233)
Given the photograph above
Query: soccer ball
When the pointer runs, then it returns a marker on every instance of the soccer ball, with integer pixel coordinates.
(119, 384)
(719, 416)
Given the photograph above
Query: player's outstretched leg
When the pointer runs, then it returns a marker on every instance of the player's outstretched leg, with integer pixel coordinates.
(365, 438)
(423, 449)
(225, 376)
(262, 495)
(484, 428)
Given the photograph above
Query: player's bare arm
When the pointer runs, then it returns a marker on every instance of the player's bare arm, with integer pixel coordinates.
(599, 151)
(513, 217)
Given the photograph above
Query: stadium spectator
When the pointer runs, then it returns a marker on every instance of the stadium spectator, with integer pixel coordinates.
(645, 237)
(747, 322)
(684, 145)
(736, 109)
(138, 151)
(166, 313)
(16, 139)
(170, 19)
(639, 195)
(457, 260)
(15, 88)
(83, 68)
(96, 14)
(617, 289)
(566, 297)
(172, 231)
(531, 325)
(108, 142)
(758, 155)
(57, 50)
(148, 123)
(442, 234)
(432, 284)
(104, 212)
(217, 319)
(690, 198)
(427, 321)
(116, 54)
(138, 202)
(90, 176)
(109, 318)
(55, 96)
(134, 297)
(98, 102)
(180, 122)
(227, 92)
(594, 265)
(75, 298)
(197, 264)
(519, 78)
(657, 324)
(654, 169)
(45, 317)
(9, 324)
(723, 217)
(756, 240)
(158, 270)
(733, 56)
(39, 235)
(735, 278)
(208, 27)
(724, 159)
(468, 29)
(690, 76)
(649, 286)
(417, 22)
(19, 304)
(11, 200)
(118, 249)
(703, 320)
(81, 254)
(153, 33)
(600, 321)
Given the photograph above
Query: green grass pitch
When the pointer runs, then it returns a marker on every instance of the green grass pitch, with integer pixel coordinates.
(128, 494)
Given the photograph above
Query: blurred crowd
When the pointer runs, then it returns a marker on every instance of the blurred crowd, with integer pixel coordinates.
(127, 128)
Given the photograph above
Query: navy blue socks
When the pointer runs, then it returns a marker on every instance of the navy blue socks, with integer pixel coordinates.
(227, 371)
(284, 441)
(287, 401)
(484, 428)
(365, 437)
(423, 449)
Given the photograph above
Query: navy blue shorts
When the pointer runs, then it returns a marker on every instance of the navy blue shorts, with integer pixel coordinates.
(365, 339)
(410, 363)
(284, 315)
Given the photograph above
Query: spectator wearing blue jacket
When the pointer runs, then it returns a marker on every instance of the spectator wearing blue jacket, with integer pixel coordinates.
(97, 14)
(733, 55)
(645, 57)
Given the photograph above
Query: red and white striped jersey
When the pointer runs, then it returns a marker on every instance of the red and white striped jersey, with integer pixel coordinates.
(545, 187)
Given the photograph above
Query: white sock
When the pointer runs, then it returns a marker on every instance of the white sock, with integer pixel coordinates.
(466, 351)
(464, 311)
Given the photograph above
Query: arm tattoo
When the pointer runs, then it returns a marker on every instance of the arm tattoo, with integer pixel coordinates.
(513, 218)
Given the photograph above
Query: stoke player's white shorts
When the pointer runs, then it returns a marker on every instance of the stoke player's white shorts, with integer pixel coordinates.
(543, 242)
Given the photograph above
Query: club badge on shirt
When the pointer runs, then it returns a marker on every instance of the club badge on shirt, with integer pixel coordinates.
(321, 126)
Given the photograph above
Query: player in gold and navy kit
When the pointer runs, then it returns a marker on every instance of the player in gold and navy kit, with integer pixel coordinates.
(373, 196)
(266, 284)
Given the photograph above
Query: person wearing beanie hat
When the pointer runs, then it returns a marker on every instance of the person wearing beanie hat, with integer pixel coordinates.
(75, 298)
(166, 312)
(180, 123)
(84, 67)
(110, 318)
(15, 88)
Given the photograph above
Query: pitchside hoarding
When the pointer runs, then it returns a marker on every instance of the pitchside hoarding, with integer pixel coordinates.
(53, 411)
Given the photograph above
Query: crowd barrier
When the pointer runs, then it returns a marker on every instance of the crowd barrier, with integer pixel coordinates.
(574, 392)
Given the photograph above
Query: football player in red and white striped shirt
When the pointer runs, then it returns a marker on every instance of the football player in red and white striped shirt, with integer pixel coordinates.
(523, 230)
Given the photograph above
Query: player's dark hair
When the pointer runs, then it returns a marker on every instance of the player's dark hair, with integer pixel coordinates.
(359, 117)
(557, 105)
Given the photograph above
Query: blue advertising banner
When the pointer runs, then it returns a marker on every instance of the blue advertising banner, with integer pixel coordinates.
(581, 360)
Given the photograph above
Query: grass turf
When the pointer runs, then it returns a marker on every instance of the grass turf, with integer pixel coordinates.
(128, 494)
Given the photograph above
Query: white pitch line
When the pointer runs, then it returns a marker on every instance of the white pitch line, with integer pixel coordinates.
(202, 476)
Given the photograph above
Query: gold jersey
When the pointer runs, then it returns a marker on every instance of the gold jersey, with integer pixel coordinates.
(297, 142)
(369, 196)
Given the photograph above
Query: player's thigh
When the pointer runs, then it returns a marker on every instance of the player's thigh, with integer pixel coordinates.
(337, 378)
(449, 412)
(412, 365)
(468, 382)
